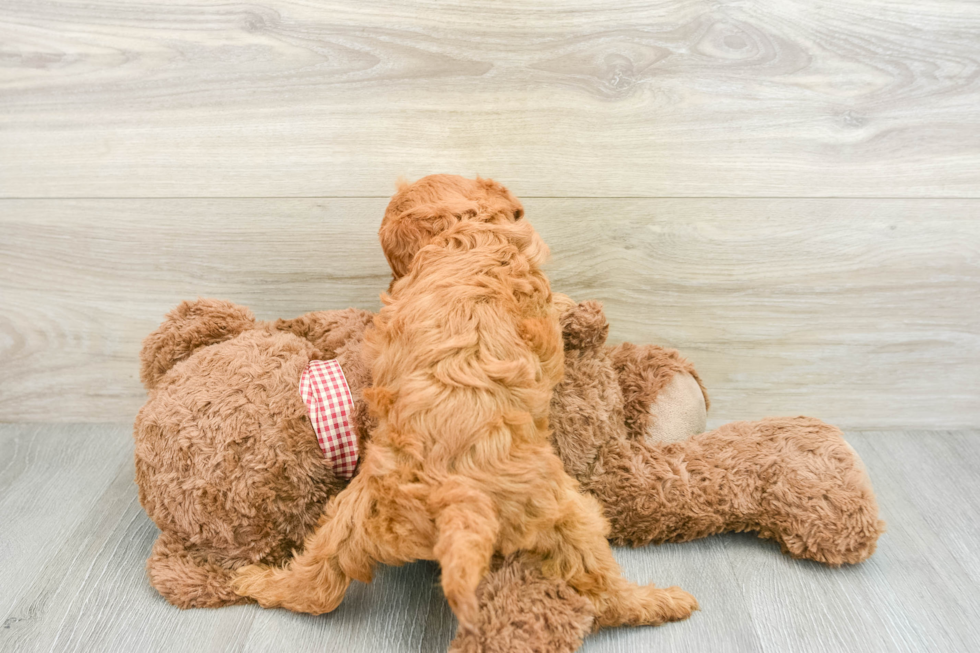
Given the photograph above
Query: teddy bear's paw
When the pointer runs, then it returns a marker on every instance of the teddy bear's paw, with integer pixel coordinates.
(186, 580)
(583, 325)
(678, 412)
(850, 539)
(819, 503)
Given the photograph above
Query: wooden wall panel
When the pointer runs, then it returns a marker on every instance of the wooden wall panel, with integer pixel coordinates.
(787, 191)
(862, 312)
(789, 98)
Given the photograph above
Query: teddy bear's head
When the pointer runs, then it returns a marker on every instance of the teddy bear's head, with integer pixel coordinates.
(421, 210)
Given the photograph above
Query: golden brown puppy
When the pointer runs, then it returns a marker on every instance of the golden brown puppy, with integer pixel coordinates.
(464, 357)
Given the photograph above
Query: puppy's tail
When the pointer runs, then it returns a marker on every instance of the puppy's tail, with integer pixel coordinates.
(468, 527)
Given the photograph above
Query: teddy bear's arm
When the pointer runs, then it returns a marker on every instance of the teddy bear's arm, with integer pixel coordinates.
(189, 580)
(190, 326)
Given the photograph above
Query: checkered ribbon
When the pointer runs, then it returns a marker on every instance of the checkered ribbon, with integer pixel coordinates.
(328, 398)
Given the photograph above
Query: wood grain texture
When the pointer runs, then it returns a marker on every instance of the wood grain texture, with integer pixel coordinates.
(785, 306)
(51, 478)
(84, 282)
(851, 98)
(74, 580)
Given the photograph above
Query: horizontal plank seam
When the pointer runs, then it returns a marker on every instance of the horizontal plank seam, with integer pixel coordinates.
(527, 197)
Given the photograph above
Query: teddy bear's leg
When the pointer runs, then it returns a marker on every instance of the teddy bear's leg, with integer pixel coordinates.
(794, 480)
(522, 611)
(193, 324)
(186, 581)
(818, 502)
(663, 398)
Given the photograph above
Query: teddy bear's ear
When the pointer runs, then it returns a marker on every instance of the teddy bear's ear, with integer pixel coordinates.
(584, 325)
(190, 326)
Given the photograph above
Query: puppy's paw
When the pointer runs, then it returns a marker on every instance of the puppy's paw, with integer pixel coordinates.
(647, 606)
(467, 611)
(254, 582)
(678, 604)
(313, 590)
(661, 605)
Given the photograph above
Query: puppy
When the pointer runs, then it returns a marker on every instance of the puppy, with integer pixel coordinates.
(465, 355)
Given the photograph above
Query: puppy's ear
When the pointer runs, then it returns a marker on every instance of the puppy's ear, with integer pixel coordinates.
(500, 200)
(404, 234)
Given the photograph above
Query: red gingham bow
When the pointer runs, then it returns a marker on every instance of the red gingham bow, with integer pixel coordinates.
(328, 398)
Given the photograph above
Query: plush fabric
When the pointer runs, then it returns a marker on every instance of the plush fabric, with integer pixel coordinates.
(522, 611)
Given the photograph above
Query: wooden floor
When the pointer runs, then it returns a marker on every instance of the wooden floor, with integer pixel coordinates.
(73, 541)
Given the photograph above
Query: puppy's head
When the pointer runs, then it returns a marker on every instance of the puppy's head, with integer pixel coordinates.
(422, 210)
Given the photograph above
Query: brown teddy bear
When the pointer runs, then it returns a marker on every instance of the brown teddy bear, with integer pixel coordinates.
(229, 468)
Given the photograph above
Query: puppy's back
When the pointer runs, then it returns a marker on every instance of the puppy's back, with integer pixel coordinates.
(469, 341)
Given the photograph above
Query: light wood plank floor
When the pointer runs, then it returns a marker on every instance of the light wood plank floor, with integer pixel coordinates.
(73, 540)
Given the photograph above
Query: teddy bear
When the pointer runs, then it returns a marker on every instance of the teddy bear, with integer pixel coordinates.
(229, 468)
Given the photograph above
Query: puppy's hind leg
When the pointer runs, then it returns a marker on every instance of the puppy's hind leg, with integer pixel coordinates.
(316, 580)
(580, 553)
(467, 525)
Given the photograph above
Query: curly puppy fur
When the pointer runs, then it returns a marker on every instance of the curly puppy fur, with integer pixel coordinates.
(419, 212)
(464, 358)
